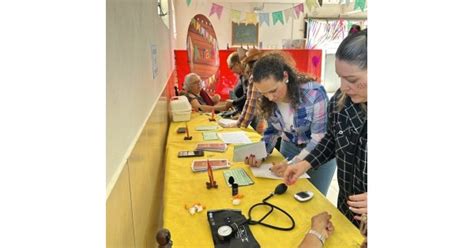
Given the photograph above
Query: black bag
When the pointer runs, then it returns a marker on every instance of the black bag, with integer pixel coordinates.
(240, 238)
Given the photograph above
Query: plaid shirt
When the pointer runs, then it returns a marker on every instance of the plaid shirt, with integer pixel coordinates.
(345, 136)
(249, 109)
(309, 121)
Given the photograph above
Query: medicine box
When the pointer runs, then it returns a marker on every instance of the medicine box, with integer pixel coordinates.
(180, 109)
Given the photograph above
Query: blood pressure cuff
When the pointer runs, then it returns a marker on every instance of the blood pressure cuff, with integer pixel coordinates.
(240, 238)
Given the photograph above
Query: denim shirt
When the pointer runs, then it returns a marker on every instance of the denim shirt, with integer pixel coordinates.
(309, 121)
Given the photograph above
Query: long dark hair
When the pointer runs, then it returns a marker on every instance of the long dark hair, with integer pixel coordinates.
(273, 65)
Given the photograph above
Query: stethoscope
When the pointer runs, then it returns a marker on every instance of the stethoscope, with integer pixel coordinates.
(225, 232)
(280, 189)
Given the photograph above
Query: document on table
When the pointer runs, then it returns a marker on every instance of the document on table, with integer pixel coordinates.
(242, 151)
(265, 172)
(224, 122)
(234, 138)
(206, 128)
(210, 136)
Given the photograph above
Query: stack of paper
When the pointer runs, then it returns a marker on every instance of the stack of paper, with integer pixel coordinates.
(265, 172)
(225, 122)
(206, 128)
(242, 151)
(201, 165)
(212, 147)
(234, 138)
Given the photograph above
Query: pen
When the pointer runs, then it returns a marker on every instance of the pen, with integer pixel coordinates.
(287, 162)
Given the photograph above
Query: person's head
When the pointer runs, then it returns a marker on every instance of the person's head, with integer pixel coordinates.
(277, 81)
(192, 83)
(251, 56)
(351, 67)
(233, 62)
(354, 29)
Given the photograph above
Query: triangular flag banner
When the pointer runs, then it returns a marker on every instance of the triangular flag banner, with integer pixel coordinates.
(216, 8)
(359, 4)
(251, 18)
(343, 1)
(264, 18)
(188, 2)
(311, 4)
(235, 15)
(277, 16)
(288, 14)
(299, 9)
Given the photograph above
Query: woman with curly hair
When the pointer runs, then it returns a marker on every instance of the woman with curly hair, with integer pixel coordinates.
(294, 106)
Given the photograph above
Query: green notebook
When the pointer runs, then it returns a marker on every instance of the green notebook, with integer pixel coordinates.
(210, 136)
(240, 177)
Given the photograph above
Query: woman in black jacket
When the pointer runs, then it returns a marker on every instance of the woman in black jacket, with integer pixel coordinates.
(346, 136)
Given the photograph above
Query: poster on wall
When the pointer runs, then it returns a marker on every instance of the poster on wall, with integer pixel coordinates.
(154, 64)
(203, 50)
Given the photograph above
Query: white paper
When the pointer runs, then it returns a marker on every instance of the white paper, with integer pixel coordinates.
(265, 172)
(242, 151)
(225, 122)
(234, 138)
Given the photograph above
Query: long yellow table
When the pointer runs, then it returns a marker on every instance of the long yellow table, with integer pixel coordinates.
(182, 186)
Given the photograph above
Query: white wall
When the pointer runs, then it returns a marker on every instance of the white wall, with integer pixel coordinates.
(132, 26)
(270, 36)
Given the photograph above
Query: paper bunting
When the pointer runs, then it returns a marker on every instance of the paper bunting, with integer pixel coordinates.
(289, 13)
(343, 1)
(216, 8)
(235, 15)
(277, 16)
(251, 18)
(359, 4)
(188, 2)
(299, 9)
(311, 4)
(264, 18)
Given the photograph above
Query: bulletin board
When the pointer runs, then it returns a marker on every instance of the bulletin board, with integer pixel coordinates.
(244, 34)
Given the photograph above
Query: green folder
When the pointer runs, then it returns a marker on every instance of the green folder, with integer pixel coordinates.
(210, 136)
(240, 177)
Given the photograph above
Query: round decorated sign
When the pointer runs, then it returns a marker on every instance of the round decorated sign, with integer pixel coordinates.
(203, 51)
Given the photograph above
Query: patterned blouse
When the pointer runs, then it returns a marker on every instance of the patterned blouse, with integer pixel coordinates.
(309, 121)
(346, 135)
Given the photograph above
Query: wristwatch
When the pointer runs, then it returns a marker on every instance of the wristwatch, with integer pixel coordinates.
(318, 235)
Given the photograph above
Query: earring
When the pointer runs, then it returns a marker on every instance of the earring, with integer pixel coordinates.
(286, 81)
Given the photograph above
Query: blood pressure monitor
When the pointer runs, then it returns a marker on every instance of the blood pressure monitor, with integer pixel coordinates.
(304, 196)
(225, 232)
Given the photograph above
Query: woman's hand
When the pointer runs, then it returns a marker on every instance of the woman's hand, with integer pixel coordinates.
(293, 172)
(279, 169)
(252, 161)
(321, 223)
(358, 205)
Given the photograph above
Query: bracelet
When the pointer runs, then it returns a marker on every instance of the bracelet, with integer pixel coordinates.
(318, 235)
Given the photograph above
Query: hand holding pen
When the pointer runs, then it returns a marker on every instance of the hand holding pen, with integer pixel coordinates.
(279, 169)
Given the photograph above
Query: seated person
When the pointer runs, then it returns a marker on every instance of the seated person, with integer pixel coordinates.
(199, 98)
(321, 229)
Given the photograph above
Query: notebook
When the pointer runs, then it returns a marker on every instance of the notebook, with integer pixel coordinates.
(212, 147)
(201, 165)
(241, 151)
(210, 136)
(240, 177)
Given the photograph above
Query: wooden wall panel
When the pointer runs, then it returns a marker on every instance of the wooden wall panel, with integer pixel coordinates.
(135, 205)
(119, 214)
